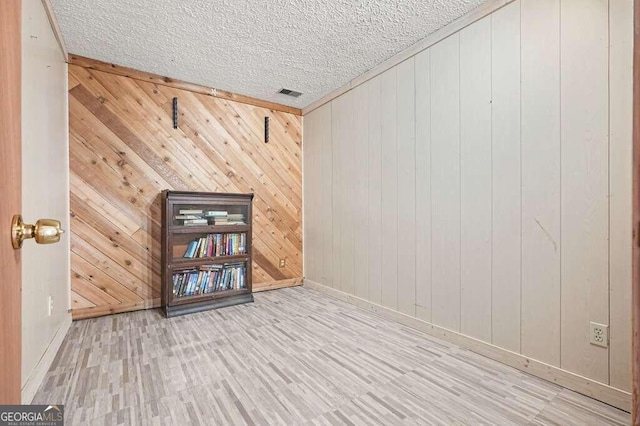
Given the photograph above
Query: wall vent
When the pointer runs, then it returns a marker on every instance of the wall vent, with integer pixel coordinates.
(289, 92)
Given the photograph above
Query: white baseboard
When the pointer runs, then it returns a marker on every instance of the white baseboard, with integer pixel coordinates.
(600, 391)
(34, 381)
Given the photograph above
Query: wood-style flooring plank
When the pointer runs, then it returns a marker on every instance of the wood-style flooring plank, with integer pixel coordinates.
(294, 356)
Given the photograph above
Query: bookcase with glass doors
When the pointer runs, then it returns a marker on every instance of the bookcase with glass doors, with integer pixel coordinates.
(206, 251)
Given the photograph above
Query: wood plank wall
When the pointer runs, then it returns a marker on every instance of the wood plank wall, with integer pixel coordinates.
(124, 151)
(493, 194)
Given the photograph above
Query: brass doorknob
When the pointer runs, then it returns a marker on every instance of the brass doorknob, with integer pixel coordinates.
(45, 231)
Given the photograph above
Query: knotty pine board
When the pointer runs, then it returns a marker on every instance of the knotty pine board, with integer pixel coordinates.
(124, 151)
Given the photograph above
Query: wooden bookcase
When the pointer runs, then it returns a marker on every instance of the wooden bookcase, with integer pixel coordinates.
(206, 251)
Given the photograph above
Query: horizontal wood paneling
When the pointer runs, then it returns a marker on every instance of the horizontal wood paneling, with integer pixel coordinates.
(124, 151)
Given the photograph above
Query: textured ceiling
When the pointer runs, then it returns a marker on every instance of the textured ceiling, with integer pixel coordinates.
(254, 47)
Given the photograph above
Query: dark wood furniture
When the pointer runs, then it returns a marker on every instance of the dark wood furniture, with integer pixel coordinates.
(206, 251)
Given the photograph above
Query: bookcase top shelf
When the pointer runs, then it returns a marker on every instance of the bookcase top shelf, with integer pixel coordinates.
(192, 196)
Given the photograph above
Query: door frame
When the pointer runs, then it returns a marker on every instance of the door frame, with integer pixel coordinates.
(11, 202)
(635, 292)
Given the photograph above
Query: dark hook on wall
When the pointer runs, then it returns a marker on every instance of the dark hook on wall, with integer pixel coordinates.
(266, 130)
(175, 113)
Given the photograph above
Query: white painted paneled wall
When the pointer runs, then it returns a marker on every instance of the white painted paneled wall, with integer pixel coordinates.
(484, 185)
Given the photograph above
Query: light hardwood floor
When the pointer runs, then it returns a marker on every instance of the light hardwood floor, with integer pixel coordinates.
(294, 356)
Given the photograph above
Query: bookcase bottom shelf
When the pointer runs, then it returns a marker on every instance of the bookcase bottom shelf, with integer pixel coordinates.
(205, 305)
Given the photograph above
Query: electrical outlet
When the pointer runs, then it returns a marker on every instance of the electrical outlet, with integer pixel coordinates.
(599, 334)
(50, 304)
(283, 263)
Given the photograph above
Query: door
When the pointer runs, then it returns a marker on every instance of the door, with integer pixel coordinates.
(635, 294)
(10, 200)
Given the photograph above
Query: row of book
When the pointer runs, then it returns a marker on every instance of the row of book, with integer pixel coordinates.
(210, 279)
(195, 217)
(217, 245)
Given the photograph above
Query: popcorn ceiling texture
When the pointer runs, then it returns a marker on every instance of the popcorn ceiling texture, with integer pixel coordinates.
(253, 47)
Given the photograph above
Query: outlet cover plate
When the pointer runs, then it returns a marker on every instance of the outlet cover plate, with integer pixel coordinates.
(599, 334)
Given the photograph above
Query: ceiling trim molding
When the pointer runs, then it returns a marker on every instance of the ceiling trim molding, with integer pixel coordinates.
(56, 29)
(94, 64)
(439, 35)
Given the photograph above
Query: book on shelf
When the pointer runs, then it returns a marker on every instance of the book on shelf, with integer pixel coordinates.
(191, 250)
(214, 245)
(216, 213)
(190, 211)
(187, 216)
(226, 221)
(235, 219)
(203, 246)
(192, 222)
(209, 279)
